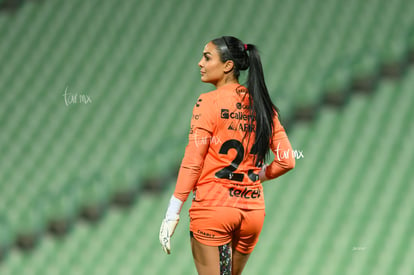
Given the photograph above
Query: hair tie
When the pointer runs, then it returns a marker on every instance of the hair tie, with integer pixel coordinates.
(245, 47)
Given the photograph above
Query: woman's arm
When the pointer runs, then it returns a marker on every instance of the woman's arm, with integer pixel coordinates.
(284, 158)
(192, 163)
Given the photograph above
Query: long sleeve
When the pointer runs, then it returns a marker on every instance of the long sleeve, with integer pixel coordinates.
(191, 165)
(203, 123)
(284, 159)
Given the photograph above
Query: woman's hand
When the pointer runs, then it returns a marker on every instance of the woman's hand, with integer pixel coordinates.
(262, 174)
(169, 223)
(166, 231)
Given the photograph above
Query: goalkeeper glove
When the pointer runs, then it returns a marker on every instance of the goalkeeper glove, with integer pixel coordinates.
(169, 223)
(262, 174)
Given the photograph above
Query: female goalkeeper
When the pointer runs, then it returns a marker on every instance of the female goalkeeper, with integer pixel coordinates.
(232, 130)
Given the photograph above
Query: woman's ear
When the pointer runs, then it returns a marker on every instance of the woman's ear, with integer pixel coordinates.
(228, 66)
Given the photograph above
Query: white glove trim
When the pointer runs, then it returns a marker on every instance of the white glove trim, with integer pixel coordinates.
(174, 208)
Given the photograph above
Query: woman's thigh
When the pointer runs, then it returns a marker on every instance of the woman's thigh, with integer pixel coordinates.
(206, 258)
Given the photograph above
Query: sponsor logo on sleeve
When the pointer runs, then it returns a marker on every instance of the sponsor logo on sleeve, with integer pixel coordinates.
(196, 116)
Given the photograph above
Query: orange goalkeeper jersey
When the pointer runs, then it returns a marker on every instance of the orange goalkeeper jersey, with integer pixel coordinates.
(219, 164)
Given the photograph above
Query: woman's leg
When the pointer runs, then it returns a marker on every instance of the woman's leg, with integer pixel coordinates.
(206, 258)
(239, 262)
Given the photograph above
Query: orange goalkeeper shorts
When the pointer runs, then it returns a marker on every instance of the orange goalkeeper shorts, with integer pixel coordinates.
(216, 226)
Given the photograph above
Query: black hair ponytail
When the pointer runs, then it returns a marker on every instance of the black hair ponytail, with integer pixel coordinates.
(261, 105)
(246, 56)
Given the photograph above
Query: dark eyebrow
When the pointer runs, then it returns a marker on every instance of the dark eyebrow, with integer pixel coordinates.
(206, 53)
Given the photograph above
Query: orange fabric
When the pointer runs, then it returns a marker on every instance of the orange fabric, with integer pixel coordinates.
(216, 226)
(218, 164)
